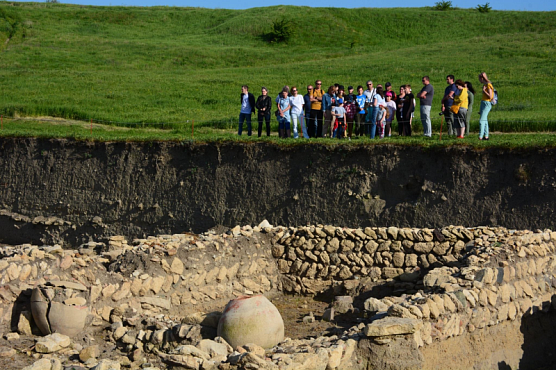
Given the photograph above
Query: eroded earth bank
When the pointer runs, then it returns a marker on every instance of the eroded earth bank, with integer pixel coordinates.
(56, 191)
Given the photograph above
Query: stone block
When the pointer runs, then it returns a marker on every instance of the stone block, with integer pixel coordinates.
(392, 326)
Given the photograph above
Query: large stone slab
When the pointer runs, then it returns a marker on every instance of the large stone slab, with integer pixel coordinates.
(392, 326)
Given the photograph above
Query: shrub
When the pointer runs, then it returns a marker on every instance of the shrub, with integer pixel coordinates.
(281, 31)
(443, 5)
(484, 8)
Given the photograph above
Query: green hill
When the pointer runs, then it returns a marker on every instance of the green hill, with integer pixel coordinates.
(166, 64)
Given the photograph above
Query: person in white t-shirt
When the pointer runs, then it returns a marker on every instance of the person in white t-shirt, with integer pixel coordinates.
(297, 102)
(339, 126)
(391, 106)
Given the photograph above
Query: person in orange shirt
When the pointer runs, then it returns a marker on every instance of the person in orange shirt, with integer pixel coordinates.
(316, 108)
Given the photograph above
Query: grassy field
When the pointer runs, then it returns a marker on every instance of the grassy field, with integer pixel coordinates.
(175, 65)
(76, 130)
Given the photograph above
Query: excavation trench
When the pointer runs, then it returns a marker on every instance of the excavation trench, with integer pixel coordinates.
(478, 297)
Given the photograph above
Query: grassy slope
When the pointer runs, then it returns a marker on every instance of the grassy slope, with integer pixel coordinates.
(167, 64)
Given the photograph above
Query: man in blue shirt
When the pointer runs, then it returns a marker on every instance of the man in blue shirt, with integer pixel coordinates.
(447, 102)
(247, 108)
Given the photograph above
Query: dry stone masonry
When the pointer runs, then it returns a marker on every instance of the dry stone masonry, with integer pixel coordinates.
(155, 303)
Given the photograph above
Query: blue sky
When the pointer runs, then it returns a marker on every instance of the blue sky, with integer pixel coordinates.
(533, 5)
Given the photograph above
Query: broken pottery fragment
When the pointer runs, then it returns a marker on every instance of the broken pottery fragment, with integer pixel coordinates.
(39, 309)
(251, 320)
(56, 317)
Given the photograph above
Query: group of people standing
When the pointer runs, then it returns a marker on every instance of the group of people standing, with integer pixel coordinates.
(370, 112)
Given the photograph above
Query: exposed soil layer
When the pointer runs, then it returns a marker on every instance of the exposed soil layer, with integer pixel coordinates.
(528, 344)
(70, 191)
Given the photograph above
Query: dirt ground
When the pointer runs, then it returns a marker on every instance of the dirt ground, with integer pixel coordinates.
(294, 308)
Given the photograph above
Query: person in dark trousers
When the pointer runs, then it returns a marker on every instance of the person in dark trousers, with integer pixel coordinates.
(407, 109)
(317, 113)
(247, 109)
(447, 102)
(264, 106)
(399, 108)
(309, 123)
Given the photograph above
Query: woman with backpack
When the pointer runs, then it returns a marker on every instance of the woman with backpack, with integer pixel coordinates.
(486, 105)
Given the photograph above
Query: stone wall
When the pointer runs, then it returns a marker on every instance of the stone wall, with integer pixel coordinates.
(331, 253)
(455, 280)
(169, 273)
(501, 282)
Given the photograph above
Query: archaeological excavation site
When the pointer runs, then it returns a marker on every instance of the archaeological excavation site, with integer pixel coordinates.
(229, 255)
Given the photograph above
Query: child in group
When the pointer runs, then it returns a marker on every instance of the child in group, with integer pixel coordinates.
(339, 113)
(391, 108)
(383, 112)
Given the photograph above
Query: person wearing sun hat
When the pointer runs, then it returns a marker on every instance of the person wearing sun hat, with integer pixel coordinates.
(459, 108)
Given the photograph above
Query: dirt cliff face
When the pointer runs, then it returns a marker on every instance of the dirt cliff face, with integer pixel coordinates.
(69, 191)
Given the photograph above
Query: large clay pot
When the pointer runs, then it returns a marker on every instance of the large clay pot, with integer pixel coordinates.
(251, 320)
(67, 320)
(56, 317)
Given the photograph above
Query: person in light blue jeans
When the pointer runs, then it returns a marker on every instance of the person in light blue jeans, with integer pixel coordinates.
(284, 107)
(425, 98)
(297, 103)
(376, 113)
(486, 105)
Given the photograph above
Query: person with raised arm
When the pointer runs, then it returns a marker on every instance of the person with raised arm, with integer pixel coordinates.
(486, 105)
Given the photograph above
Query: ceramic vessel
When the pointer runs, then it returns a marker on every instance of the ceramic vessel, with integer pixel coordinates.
(251, 320)
(56, 317)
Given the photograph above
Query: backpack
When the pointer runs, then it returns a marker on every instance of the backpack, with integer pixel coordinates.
(494, 99)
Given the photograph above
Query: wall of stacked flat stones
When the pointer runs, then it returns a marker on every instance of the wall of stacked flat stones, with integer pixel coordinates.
(330, 253)
(510, 275)
(192, 273)
(473, 278)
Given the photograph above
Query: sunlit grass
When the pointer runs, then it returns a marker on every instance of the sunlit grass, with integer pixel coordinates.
(96, 132)
(178, 65)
